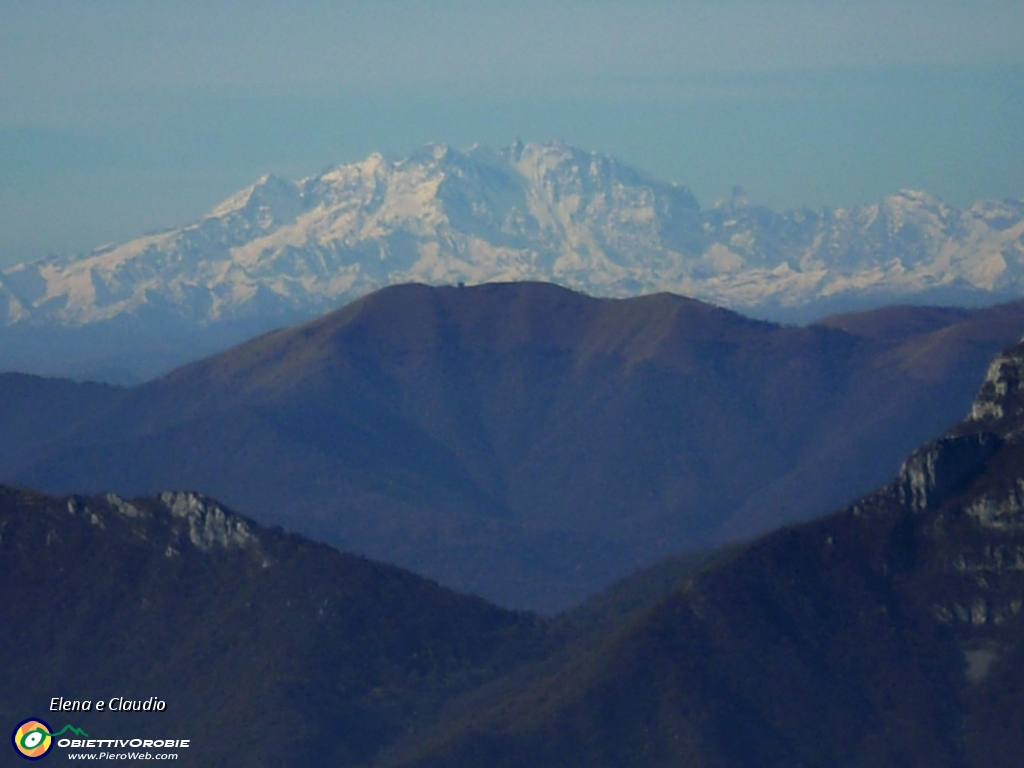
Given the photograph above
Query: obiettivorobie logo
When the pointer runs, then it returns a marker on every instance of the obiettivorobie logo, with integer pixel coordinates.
(33, 740)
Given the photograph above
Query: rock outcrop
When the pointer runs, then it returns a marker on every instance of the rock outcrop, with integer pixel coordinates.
(936, 471)
(1001, 393)
(209, 525)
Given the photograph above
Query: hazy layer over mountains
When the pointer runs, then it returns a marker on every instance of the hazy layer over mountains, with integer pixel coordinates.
(521, 441)
(890, 634)
(280, 252)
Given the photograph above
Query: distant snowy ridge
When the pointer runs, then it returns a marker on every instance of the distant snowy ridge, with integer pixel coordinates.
(529, 212)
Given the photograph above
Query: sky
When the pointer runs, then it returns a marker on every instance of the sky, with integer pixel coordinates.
(121, 117)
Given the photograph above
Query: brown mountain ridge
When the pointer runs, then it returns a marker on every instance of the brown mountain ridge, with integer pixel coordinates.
(521, 441)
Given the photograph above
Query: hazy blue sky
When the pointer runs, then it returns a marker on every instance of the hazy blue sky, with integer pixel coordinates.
(122, 117)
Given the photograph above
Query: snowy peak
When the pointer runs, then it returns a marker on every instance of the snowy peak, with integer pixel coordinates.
(550, 212)
(270, 202)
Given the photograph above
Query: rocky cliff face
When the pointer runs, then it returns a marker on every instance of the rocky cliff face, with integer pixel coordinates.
(209, 525)
(192, 517)
(938, 470)
(1000, 396)
(934, 472)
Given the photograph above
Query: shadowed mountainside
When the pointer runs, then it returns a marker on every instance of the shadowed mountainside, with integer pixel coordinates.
(889, 634)
(268, 649)
(524, 442)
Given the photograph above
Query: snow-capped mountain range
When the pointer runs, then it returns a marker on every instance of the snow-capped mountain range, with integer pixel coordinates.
(285, 250)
